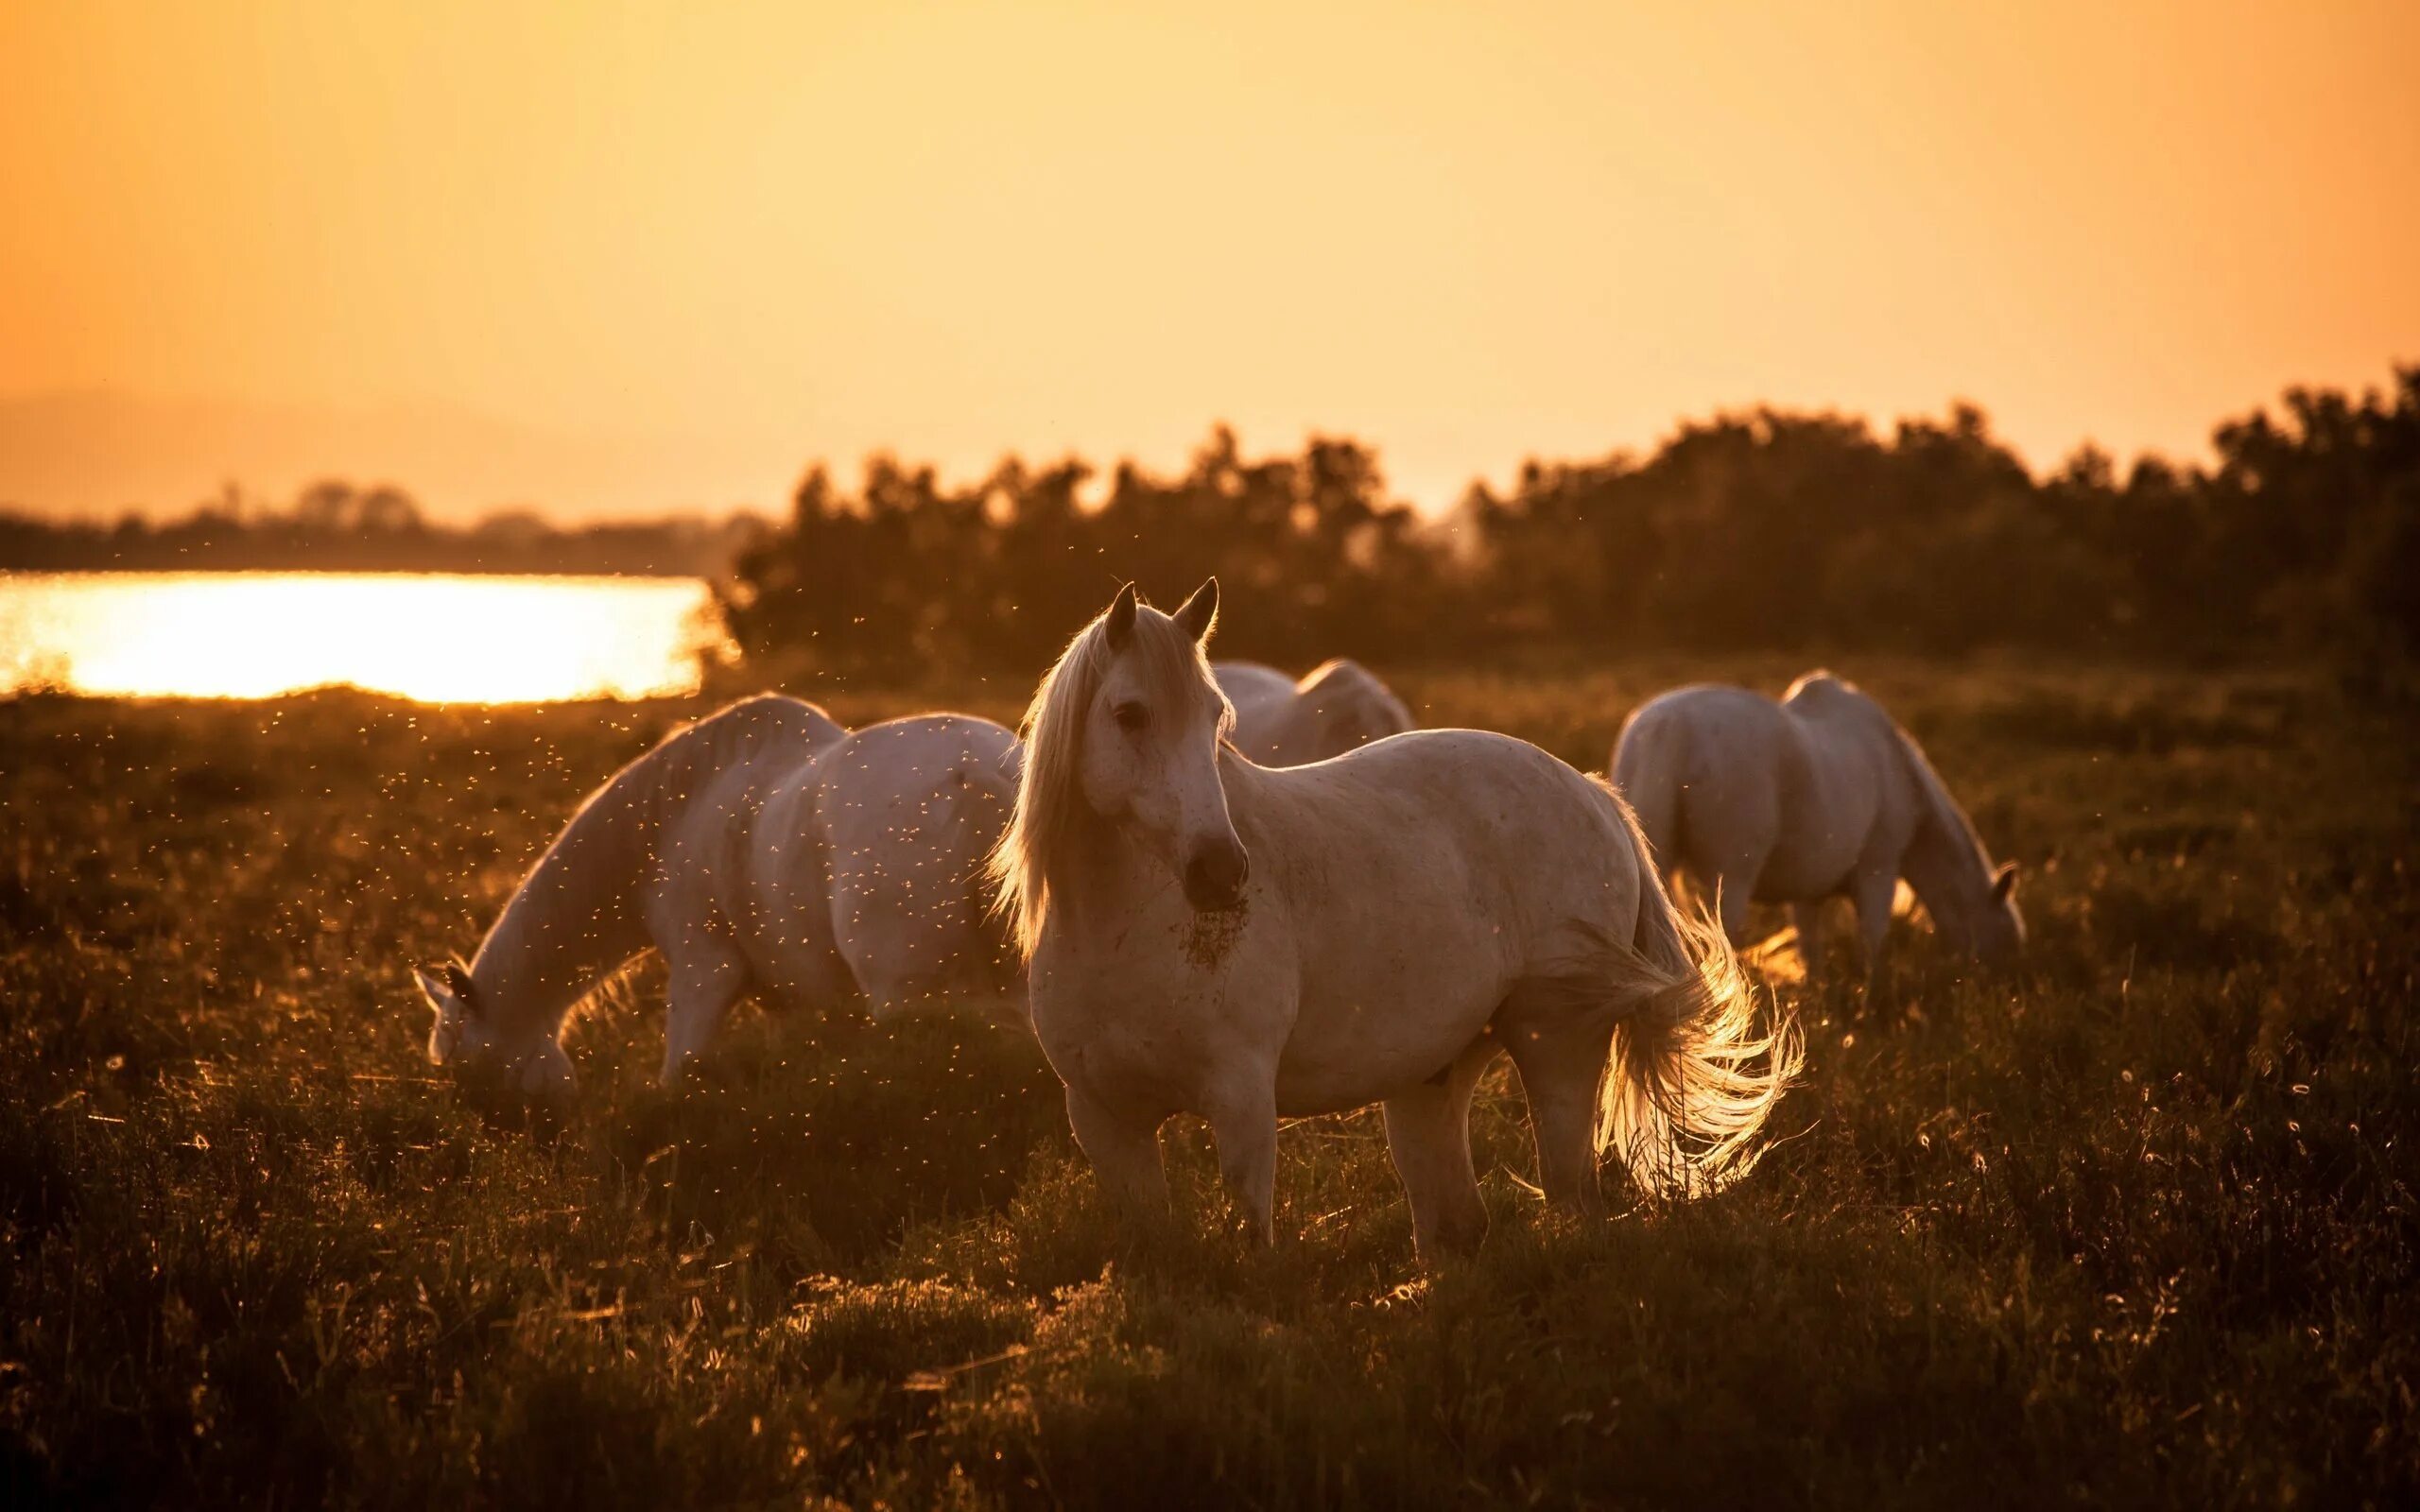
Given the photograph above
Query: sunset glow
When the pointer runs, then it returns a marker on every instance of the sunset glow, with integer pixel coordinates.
(624, 257)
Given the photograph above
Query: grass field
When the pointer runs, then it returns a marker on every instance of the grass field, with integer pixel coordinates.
(2133, 1225)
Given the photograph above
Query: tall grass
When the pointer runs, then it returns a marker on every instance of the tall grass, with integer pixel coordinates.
(2132, 1224)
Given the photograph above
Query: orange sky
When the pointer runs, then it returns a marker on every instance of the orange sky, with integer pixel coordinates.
(621, 257)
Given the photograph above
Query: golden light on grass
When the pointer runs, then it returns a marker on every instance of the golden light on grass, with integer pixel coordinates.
(436, 638)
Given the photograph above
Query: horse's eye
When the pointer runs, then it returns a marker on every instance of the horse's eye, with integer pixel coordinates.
(1131, 717)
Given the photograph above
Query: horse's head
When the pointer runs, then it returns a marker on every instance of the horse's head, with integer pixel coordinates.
(1151, 743)
(466, 1039)
(1998, 932)
(1127, 727)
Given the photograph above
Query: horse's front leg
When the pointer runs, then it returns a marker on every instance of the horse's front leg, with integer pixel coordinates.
(1243, 1118)
(1735, 897)
(1124, 1151)
(1809, 920)
(707, 977)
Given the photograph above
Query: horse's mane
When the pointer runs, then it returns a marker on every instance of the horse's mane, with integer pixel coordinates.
(1050, 801)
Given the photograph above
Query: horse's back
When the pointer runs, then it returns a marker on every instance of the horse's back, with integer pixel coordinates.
(753, 727)
(1250, 684)
(1482, 808)
(1335, 707)
(1698, 722)
(1266, 704)
(1354, 705)
(907, 752)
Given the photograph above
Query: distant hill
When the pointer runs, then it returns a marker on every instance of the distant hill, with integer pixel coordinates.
(102, 454)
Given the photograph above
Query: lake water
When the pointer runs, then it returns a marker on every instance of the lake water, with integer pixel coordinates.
(439, 638)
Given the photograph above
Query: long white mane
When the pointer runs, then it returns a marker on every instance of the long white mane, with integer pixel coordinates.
(1049, 801)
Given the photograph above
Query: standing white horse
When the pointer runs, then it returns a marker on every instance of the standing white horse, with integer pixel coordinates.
(1337, 706)
(1799, 802)
(1208, 936)
(736, 854)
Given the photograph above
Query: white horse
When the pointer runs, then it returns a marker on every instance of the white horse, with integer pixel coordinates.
(1209, 935)
(748, 863)
(1336, 706)
(888, 900)
(1805, 800)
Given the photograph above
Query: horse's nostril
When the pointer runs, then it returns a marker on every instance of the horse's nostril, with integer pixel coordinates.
(1213, 875)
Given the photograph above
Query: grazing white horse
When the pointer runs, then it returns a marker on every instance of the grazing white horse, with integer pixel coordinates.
(1817, 795)
(1337, 706)
(750, 863)
(1209, 935)
(890, 897)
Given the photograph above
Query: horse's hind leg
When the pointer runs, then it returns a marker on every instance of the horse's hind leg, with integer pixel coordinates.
(1429, 1133)
(1563, 1068)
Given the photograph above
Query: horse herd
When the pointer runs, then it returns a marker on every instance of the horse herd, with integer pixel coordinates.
(1208, 888)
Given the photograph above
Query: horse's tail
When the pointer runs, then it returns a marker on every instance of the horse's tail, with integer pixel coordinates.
(1648, 768)
(1696, 1069)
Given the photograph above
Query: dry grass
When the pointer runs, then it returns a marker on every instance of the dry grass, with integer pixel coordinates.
(2135, 1225)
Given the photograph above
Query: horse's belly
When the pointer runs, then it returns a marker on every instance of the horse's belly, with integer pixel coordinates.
(1799, 873)
(1825, 837)
(1365, 1042)
(1164, 1040)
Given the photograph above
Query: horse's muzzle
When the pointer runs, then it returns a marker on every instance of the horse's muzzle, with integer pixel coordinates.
(1214, 874)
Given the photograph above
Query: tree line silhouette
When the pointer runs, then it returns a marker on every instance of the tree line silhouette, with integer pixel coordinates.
(334, 525)
(1764, 529)
(1758, 529)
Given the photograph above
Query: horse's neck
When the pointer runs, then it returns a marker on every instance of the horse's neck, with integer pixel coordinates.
(1945, 862)
(575, 919)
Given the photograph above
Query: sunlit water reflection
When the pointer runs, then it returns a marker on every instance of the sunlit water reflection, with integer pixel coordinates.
(436, 638)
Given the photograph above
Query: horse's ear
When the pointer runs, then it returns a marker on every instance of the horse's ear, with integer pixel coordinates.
(445, 985)
(2004, 881)
(1199, 615)
(436, 989)
(1119, 622)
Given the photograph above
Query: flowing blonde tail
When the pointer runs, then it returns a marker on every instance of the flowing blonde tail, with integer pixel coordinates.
(1694, 1075)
